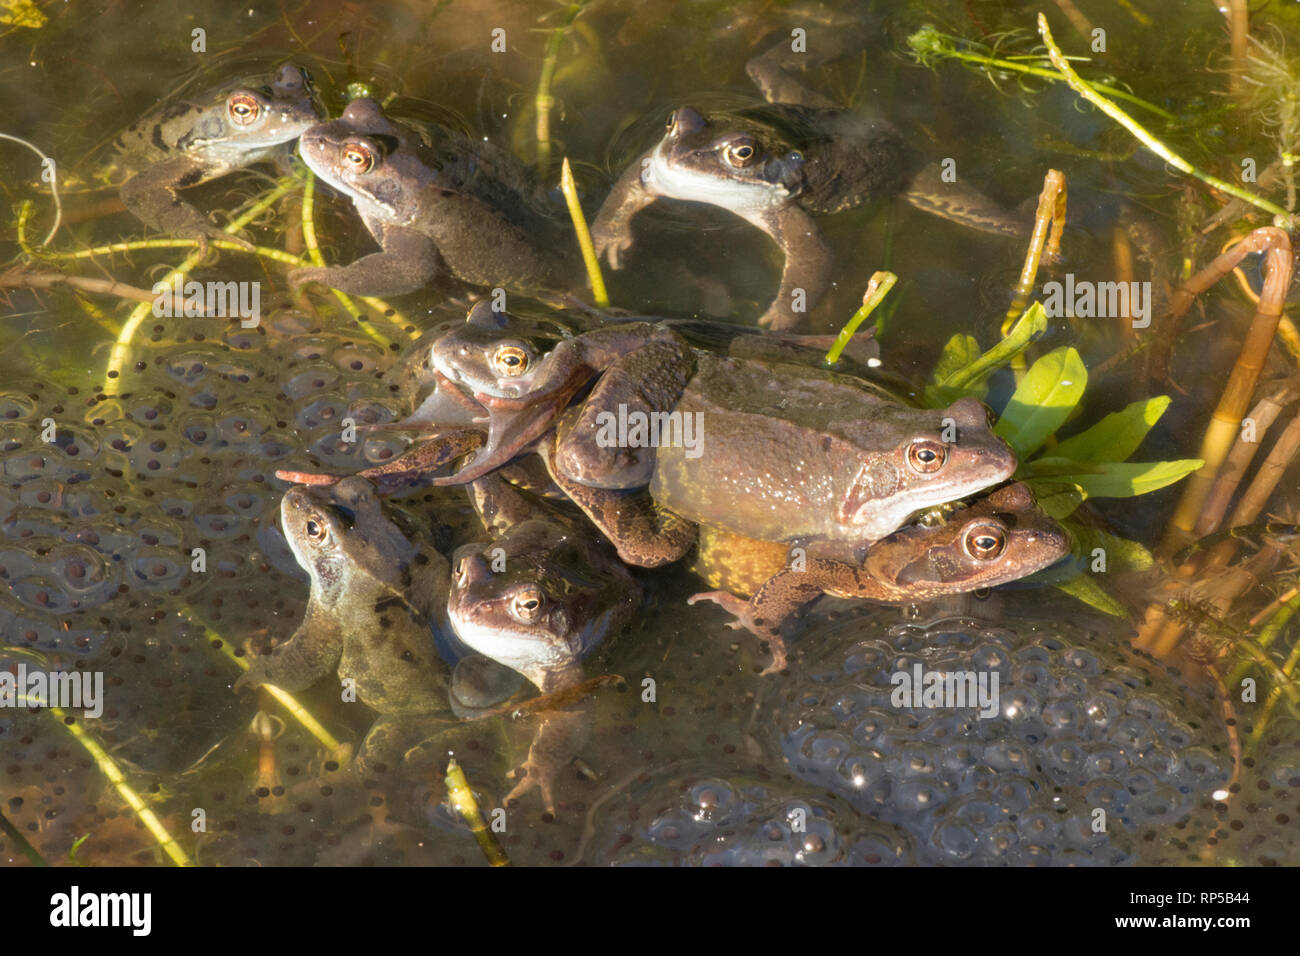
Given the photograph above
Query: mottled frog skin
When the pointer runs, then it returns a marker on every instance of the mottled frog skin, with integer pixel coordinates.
(1001, 537)
(199, 138)
(445, 203)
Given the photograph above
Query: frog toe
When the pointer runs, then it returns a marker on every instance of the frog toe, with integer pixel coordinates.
(779, 319)
(610, 246)
(728, 602)
(779, 658)
(535, 776)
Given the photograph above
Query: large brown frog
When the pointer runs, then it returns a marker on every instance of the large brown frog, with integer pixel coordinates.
(1001, 537)
(202, 137)
(432, 202)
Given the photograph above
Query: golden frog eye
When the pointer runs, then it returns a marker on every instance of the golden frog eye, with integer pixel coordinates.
(244, 109)
(358, 157)
(740, 153)
(526, 605)
(510, 361)
(984, 541)
(316, 528)
(926, 456)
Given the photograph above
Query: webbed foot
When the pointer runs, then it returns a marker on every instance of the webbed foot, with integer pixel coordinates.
(611, 243)
(742, 611)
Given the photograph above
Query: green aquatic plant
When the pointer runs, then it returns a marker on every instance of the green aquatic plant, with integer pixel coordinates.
(1090, 464)
(929, 45)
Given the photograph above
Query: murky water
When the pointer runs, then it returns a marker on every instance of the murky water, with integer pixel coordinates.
(178, 451)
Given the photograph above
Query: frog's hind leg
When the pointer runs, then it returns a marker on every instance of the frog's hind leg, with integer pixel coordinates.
(773, 71)
(644, 534)
(610, 442)
(963, 205)
(779, 599)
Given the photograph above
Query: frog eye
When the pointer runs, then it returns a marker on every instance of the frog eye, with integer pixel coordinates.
(526, 605)
(984, 541)
(926, 456)
(739, 153)
(316, 528)
(510, 361)
(358, 157)
(244, 109)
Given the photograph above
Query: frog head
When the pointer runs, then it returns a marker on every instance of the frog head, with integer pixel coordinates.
(539, 598)
(1000, 538)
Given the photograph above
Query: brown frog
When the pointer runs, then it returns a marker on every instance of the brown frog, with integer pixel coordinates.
(779, 165)
(202, 137)
(378, 593)
(1001, 537)
(538, 598)
(433, 202)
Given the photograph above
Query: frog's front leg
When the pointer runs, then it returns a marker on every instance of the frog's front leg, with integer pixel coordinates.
(408, 261)
(557, 740)
(807, 272)
(644, 534)
(781, 597)
(612, 231)
(312, 652)
(608, 443)
(150, 196)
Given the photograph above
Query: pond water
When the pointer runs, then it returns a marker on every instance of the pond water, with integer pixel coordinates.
(696, 758)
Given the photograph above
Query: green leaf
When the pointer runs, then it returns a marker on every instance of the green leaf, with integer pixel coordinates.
(1043, 401)
(1121, 553)
(1117, 435)
(1050, 466)
(1086, 590)
(1125, 479)
(970, 379)
(961, 350)
(1057, 499)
